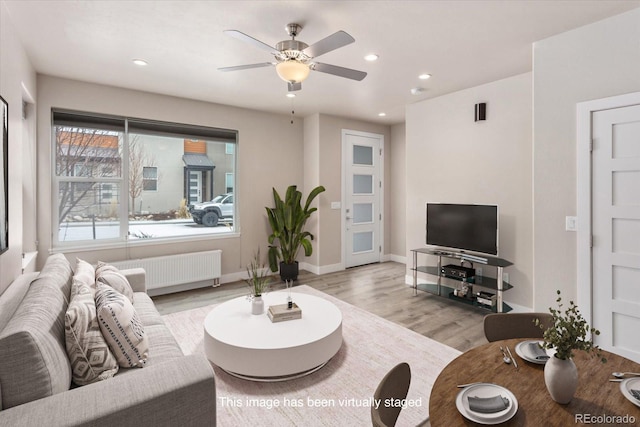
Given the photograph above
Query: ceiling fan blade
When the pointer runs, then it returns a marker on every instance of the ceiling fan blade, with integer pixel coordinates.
(329, 43)
(246, 67)
(294, 86)
(339, 71)
(253, 42)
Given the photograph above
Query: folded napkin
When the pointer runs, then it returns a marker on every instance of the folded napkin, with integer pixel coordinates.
(635, 393)
(537, 352)
(488, 405)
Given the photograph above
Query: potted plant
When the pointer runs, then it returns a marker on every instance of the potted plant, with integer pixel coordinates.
(569, 332)
(287, 220)
(258, 281)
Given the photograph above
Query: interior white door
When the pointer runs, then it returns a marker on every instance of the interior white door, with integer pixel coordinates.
(362, 154)
(616, 229)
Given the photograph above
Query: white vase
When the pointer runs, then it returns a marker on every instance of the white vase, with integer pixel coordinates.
(257, 305)
(561, 379)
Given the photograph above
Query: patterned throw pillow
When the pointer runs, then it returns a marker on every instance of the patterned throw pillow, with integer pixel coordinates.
(110, 275)
(121, 327)
(89, 355)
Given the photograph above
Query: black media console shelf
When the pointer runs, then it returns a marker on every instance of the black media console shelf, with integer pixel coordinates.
(482, 291)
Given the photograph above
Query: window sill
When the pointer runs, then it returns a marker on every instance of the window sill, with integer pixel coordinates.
(71, 248)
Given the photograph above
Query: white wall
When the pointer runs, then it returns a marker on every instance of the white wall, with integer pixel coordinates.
(450, 158)
(17, 81)
(592, 62)
(270, 150)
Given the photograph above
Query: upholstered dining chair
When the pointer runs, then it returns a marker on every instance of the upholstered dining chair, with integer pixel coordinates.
(394, 385)
(502, 326)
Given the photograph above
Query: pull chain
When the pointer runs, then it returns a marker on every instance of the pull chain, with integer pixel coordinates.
(292, 111)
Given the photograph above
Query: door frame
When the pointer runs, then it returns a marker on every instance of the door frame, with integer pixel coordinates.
(343, 214)
(584, 265)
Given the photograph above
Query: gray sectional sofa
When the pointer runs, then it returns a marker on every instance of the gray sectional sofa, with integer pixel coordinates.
(35, 374)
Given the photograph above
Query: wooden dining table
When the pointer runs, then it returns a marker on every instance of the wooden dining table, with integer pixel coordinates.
(596, 396)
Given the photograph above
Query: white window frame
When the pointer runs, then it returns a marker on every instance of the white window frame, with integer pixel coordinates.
(121, 185)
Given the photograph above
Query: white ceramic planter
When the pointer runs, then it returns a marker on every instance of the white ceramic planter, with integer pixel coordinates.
(561, 379)
(257, 305)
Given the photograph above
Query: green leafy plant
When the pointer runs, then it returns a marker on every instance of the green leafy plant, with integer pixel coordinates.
(287, 220)
(258, 276)
(569, 332)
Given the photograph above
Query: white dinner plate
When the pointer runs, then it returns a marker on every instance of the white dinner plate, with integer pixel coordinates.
(630, 384)
(486, 390)
(522, 350)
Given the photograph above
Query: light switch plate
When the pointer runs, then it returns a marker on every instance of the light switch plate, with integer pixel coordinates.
(335, 205)
(571, 223)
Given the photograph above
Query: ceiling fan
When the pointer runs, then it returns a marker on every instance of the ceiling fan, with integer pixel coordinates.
(295, 59)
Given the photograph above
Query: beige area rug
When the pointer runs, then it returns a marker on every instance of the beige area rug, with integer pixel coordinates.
(371, 347)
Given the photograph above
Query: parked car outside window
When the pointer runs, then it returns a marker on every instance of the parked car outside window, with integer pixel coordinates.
(210, 213)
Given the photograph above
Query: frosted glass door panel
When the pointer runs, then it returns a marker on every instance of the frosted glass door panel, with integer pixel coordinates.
(362, 155)
(363, 242)
(362, 184)
(362, 213)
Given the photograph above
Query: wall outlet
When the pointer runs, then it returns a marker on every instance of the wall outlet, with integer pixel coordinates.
(505, 277)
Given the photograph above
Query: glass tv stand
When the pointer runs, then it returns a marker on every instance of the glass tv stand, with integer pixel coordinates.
(481, 291)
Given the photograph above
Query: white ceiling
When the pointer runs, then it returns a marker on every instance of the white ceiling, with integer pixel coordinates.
(461, 43)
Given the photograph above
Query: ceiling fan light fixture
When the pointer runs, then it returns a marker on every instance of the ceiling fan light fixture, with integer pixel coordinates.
(292, 71)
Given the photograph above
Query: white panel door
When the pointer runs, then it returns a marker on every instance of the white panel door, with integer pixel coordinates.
(363, 187)
(195, 187)
(616, 229)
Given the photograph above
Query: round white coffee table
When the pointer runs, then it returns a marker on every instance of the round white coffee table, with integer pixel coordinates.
(252, 347)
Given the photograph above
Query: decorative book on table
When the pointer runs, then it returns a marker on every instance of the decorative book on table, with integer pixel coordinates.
(282, 312)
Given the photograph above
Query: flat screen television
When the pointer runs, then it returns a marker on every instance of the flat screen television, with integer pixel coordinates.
(463, 227)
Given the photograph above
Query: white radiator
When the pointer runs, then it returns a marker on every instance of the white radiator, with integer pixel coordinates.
(179, 269)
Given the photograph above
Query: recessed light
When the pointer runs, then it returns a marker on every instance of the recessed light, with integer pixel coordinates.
(424, 76)
(291, 95)
(382, 114)
(371, 57)
(140, 62)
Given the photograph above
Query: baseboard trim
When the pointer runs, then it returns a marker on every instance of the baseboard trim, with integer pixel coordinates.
(398, 258)
(324, 269)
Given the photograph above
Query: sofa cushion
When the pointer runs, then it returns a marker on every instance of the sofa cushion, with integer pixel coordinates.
(33, 358)
(121, 327)
(89, 354)
(57, 272)
(146, 309)
(109, 275)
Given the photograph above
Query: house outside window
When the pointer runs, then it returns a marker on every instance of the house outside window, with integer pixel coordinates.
(124, 179)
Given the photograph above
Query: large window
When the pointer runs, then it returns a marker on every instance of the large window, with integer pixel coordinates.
(120, 179)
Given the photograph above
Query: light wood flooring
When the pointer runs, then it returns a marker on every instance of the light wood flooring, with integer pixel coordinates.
(377, 288)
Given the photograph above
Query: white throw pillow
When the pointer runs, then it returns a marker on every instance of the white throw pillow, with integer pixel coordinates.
(110, 275)
(84, 273)
(89, 354)
(121, 327)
